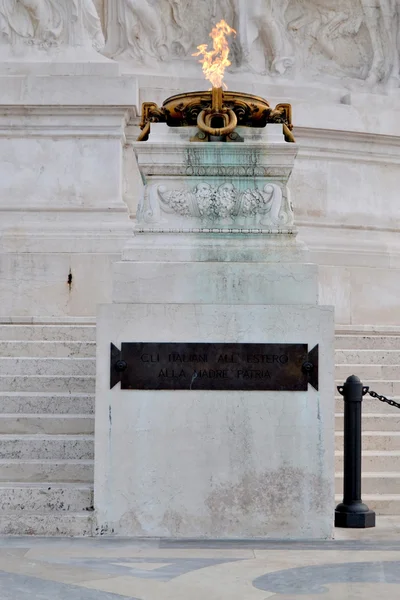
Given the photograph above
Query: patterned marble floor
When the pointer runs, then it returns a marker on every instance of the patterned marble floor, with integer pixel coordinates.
(357, 565)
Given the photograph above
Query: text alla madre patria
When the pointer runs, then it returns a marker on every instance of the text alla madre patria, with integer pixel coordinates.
(225, 366)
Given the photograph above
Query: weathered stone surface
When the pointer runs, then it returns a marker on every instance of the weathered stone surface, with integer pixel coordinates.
(48, 424)
(38, 403)
(54, 447)
(74, 524)
(51, 470)
(47, 384)
(233, 447)
(41, 498)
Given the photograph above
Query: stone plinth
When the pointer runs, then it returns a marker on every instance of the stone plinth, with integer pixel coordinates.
(215, 260)
(214, 464)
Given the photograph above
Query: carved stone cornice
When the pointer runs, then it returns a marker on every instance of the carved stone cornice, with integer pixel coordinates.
(179, 158)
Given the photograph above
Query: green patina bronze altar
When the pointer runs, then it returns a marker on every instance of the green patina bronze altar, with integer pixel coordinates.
(216, 113)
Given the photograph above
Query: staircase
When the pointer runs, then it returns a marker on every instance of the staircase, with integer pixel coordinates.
(47, 383)
(375, 358)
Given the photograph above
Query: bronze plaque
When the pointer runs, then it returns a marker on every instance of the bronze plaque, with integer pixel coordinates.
(198, 366)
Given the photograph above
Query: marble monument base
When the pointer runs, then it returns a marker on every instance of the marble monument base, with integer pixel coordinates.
(215, 464)
(214, 260)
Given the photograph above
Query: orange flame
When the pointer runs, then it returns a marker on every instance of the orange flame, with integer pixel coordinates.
(216, 61)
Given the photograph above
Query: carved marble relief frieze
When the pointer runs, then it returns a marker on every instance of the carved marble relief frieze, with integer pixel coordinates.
(355, 39)
(263, 21)
(264, 205)
(49, 23)
(159, 31)
(307, 39)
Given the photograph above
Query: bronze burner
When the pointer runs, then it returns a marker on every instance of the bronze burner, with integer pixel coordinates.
(216, 113)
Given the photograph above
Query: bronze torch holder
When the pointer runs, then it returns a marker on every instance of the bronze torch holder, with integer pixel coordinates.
(216, 113)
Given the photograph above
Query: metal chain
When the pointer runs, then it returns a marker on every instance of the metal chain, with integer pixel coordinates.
(383, 399)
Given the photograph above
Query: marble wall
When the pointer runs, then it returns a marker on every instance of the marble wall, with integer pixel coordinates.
(336, 61)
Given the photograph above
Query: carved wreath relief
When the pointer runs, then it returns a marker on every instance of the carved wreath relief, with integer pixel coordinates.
(225, 204)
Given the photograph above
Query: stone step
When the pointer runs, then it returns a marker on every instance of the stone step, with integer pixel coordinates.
(367, 357)
(51, 403)
(70, 385)
(57, 333)
(388, 387)
(373, 422)
(373, 440)
(373, 461)
(365, 372)
(54, 524)
(48, 367)
(374, 483)
(382, 504)
(45, 497)
(44, 349)
(54, 447)
(46, 424)
(368, 342)
(74, 471)
(371, 405)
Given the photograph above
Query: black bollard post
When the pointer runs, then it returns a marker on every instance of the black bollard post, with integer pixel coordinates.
(352, 512)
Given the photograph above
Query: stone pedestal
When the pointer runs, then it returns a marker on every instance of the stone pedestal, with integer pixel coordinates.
(215, 260)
